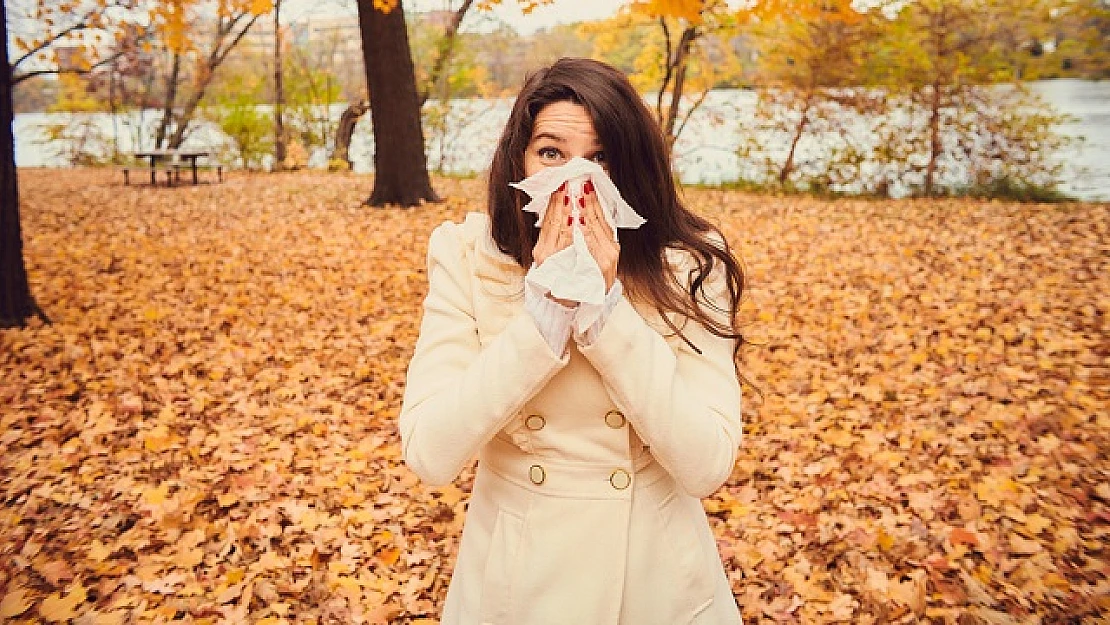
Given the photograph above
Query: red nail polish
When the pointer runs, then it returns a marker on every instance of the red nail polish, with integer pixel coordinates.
(562, 186)
(581, 220)
(588, 187)
(566, 200)
(570, 220)
(581, 202)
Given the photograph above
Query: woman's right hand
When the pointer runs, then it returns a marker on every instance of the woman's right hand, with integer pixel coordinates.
(555, 231)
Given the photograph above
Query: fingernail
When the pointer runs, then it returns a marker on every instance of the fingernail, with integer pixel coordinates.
(581, 202)
(588, 187)
(566, 200)
(582, 220)
(570, 220)
(562, 186)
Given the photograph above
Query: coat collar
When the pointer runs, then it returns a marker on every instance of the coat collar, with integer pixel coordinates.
(491, 264)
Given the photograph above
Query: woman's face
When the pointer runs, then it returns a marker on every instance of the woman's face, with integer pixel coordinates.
(562, 130)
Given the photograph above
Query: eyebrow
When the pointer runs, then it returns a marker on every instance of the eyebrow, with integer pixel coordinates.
(548, 135)
(597, 147)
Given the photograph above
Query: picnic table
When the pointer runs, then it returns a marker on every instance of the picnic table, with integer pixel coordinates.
(176, 160)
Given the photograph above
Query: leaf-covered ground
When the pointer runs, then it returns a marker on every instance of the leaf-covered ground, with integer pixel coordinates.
(206, 432)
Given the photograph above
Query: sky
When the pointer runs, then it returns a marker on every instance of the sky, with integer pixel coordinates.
(507, 11)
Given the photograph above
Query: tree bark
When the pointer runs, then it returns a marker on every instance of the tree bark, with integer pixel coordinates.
(279, 94)
(682, 55)
(346, 130)
(400, 165)
(16, 303)
(788, 166)
(168, 104)
(934, 140)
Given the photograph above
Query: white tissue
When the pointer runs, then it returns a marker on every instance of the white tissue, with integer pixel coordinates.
(573, 274)
(575, 172)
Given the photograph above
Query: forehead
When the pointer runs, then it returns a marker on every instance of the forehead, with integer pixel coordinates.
(564, 120)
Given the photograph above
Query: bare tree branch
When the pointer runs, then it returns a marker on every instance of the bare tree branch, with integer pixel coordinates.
(667, 66)
(444, 50)
(46, 43)
(122, 50)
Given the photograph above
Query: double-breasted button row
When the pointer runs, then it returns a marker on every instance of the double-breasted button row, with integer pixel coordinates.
(619, 479)
(614, 419)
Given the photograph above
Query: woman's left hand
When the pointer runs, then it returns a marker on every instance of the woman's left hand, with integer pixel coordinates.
(599, 235)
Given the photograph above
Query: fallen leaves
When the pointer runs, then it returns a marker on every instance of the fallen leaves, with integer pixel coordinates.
(207, 431)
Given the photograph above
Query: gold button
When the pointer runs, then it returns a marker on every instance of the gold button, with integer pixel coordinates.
(536, 474)
(535, 422)
(620, 479)
(614, 419)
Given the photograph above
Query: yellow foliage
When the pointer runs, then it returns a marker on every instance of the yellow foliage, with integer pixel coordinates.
(689, 10)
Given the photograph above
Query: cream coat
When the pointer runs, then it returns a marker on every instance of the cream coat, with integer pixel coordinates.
(585, 505)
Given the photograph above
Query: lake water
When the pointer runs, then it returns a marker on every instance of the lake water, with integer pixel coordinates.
(705, 152)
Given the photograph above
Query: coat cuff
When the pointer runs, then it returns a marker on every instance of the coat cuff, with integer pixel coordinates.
(553, 320)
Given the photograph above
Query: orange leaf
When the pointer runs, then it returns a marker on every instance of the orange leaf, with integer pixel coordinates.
(960, 536)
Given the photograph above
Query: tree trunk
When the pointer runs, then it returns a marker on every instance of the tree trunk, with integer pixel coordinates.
(444, 50)
(788, 166)
(279, 93)
(16, 303)
(215, 58)
(346, 130)
(682, 55)
(400, 165)
(167, 105)
(934, 140)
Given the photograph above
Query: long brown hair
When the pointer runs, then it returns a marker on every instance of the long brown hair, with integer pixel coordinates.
(639, 166)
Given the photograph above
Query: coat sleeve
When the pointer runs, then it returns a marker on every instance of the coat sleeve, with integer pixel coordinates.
(459, 393)
(684, 405)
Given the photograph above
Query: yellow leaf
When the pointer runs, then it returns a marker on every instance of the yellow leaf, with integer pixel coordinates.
(111, 618)
(227, 500)
(98, 551)
(14, 603)
(885, 541)
(158, 439)
(1057, 581)
(1037, 523)
(270, 561)
(190, 558)
(57, 608)
(838, 437)
(234, 576)
(157, 495)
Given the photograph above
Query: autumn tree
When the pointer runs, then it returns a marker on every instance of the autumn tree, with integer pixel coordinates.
(809, 58)
(205, 43)
(943, 61)
(667, 66)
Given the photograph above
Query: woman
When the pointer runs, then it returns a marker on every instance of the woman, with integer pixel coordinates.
(593, 446)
